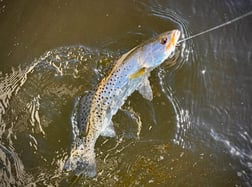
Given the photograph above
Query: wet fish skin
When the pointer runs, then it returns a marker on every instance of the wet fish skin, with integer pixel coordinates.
(130, 73)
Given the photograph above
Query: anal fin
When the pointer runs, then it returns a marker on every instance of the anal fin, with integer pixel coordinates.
(109, 131)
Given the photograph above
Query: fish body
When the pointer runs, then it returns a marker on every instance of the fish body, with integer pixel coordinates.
(129, 74)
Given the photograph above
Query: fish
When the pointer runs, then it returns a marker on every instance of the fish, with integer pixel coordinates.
(130, 73)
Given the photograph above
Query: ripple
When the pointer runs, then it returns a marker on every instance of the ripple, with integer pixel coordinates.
(169, 15)
(184, 54)
(238, 153)
(183, 121)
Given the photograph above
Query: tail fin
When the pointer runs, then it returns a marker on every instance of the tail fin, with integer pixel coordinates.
(81, 161)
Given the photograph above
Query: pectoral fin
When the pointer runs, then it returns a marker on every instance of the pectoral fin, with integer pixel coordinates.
(145, 89)
(109, 131)
(138, 73)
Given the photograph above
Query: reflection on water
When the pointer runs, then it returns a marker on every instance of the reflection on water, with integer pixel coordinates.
(196, 131)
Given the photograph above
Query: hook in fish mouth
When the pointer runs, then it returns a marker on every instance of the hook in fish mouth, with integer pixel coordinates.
(174, 37)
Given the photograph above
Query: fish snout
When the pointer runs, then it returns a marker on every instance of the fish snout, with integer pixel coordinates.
(174, 37)
(177, 35)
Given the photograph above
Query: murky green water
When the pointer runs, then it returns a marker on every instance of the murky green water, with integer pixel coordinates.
(195, 132)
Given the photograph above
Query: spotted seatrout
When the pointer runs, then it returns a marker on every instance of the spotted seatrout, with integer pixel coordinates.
(130, 73)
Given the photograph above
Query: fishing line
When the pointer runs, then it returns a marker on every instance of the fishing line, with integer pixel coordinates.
(217, 27)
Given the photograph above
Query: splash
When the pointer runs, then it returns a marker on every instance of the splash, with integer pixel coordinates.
(12, 168)
(33, 109)
(25, 96)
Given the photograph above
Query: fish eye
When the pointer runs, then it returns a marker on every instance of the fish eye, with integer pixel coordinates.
(163, 40)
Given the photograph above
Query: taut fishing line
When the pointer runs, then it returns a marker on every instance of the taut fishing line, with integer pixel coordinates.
(217, 27)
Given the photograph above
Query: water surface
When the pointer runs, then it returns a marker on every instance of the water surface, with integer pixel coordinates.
(196, 131)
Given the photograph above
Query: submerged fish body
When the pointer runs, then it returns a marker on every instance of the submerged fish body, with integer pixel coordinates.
(130, 73)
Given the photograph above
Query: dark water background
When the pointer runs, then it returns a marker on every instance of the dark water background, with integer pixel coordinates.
(197, 130)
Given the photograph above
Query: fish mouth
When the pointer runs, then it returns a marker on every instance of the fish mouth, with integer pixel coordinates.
(174, 37)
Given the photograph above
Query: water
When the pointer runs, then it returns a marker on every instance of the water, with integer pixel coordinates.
(196, 131)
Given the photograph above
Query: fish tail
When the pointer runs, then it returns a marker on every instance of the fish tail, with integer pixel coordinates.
(81, 161)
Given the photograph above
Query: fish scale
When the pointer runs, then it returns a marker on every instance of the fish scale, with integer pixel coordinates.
(84, 110)
(129, 74)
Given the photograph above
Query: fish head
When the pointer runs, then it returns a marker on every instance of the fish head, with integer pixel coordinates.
(155, 51)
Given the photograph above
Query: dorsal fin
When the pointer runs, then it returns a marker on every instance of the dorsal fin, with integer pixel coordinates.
(123, 58)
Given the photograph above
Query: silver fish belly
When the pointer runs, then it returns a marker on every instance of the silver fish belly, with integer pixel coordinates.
(130, 73)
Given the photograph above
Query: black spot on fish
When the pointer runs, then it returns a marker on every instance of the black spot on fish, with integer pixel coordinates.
(84, 109)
